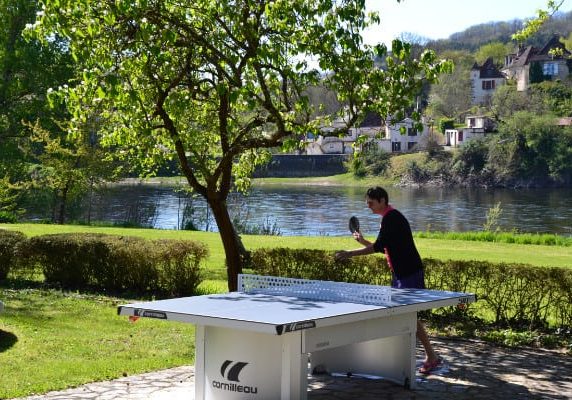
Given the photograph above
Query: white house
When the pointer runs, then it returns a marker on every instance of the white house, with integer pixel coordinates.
(485, 79)
(387, 137)
(331, 144)
(477, 126)
(394, 141)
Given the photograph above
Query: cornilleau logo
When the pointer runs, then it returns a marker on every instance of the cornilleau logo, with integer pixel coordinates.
(233, 372)
(230, 370)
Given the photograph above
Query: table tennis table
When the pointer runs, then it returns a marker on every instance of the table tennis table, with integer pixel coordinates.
(260, 343)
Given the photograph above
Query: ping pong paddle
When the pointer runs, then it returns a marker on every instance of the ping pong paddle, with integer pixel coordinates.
(354, 224)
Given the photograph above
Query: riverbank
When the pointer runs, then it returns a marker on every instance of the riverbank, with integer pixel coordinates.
(341, 180)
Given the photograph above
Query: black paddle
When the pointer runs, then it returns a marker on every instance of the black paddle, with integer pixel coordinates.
(354, 224)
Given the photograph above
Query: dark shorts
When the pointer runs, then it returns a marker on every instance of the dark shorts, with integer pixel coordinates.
(413, 281)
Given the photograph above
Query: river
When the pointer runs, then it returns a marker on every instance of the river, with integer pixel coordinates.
(324, 210)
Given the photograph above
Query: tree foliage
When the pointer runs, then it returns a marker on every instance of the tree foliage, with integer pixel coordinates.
(65, 167)
(496, 50)
(506, 100)
(552, 97)
(27, 70)
(532, 147)
(451, 96)
(217, 83)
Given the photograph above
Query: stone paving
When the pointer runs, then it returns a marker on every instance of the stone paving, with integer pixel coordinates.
(473, 370)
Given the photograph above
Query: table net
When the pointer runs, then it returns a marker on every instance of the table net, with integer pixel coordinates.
(314, 289)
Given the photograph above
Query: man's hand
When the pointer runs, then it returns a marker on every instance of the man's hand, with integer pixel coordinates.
(343, 255)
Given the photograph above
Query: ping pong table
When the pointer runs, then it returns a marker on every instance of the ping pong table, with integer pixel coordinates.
(258, 342)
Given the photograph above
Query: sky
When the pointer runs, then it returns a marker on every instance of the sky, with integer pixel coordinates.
(438, 19)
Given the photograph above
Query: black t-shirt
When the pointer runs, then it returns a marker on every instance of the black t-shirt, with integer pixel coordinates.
(396, 241)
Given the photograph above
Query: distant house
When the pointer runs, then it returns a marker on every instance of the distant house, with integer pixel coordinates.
(387, 137)
(476, 126)
(396, 141)
(481, 122)
(325, 144)
(531, 63)
(330, 145)
(484, 81)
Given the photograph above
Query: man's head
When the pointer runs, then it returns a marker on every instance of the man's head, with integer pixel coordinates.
(377, 199)
(377, 193)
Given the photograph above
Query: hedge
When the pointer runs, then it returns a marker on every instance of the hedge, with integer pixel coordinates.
(8, 241)
(514, 294)
(115, 263)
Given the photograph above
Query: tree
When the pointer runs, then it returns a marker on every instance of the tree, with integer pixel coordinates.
(506, 100)
(553, 97)
(68, 168)
(452, 95)
(217, 83)
(496, 50)
(536, 74)
(532, 147)
(471, 157)
(27, 70)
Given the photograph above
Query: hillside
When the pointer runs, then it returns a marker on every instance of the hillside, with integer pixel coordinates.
(475, 36)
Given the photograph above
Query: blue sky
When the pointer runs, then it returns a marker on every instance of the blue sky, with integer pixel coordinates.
(438, 19)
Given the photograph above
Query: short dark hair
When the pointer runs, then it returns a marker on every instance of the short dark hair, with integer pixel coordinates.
(378, 193)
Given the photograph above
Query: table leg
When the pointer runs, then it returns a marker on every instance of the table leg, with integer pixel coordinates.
(294, 381)
(199, 362)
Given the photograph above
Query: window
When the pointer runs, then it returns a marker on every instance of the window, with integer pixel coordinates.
(411, 132)
(411, 145)
(395, 146)
(460, 136)
(550, 68)
(488, 85)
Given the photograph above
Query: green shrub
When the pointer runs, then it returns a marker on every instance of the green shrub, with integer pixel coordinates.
(516, 295)
(117, 263)
(8, 217)
(64, 259)
(8, 242)
(319, 265)
(179, 261)
(129, 265)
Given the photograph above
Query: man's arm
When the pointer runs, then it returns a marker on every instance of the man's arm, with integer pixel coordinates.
(345, 254)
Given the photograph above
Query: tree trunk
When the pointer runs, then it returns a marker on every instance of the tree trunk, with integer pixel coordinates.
(63, 203)
(234, 250)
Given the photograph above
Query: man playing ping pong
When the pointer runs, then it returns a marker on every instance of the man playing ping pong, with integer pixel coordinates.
(395, 239)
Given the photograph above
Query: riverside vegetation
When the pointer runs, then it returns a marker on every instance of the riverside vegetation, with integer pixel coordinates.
(52, 338)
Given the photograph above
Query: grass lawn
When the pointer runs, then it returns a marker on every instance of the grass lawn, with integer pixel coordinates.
(52, 340)
(539, 255)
